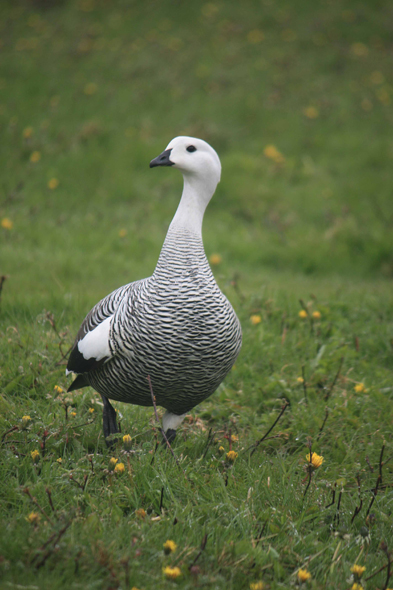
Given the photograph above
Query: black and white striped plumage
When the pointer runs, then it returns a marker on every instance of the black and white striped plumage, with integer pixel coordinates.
(176, 325)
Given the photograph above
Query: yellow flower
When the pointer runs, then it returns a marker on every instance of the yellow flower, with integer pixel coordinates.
(58, 389)
(127, 441)
(356, 586)
(34, 518)
(360, 388)
(358, 570)
(171, 573)
(91, 410)
(303, 575)
(257, 586)
(27, 132)
(53, 183)
(215, 259)
(90, 88)
(35, 157)
(303, 314)
(25, 421)
(231, 456)
(272, 153)
(112, 463)
(120, 468)
(122, 233)
(73, 414)
(311, 112)
(316, 460)
(140, 513)
(221, 449)
(169, 547)
(255, 36)
(7, 223)
(300, 379)
(255, 320)
(59, 460)
(316, 315)
(35, 455)
(234, 438)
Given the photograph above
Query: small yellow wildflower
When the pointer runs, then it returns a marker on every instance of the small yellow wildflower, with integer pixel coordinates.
(25, 421)
(360, 388)
(316, 460)
(58, 389)
(234, 438)
(112, 463)
(272, 153)
(311, 112)
(7, 223)
(73, 414)
(91, 410)
(358, 571)
(215, 259)
(90, 88)
(171, 573)
(35, 455)
(257, 586)
(316, 315)
(303, 575)
(169, 547)
(221, 449)
(27, 132)
(34, 518)
(231, 456)
(300, 379)
(35, 157)
(53, 183)
(59, 460)
(356, 586)
(122, 233)
(255, 36)
(140, 513)
(255, 319)
(303, 314)
(127, 441)
(119, 468)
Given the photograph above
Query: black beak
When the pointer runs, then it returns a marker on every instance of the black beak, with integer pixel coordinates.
(162, 159)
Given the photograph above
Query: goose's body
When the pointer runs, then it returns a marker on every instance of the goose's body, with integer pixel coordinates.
(176, 325)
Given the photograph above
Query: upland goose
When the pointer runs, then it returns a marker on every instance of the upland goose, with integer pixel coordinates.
(176, 325)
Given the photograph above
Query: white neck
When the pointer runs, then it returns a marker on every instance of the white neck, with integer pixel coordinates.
(196, 195)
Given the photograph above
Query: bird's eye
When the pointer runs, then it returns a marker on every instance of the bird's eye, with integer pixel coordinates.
(191, 148)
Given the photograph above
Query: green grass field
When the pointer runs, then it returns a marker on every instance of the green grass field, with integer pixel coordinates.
(297, 100)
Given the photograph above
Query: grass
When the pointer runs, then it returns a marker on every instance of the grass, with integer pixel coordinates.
(98, 90)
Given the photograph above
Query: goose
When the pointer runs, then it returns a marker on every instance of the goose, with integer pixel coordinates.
(175, 326)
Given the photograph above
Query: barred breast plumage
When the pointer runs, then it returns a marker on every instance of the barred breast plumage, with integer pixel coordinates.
(176, 326)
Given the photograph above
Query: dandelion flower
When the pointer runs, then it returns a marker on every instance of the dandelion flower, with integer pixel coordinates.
(255, 320)
(311, 112)
(122, 233)
(358, 571)
(272, 153)
(171, 573)
(141, 513)
(58, 389)
(34, 518)
(35, 157)
(73, 414)
(215, 259)
(112, 463)
(234, 438)
(119, 468)
(303, 575)
(316, 460)
(300, 379)
(316, 315)
(127, 441)
(27, 132)
(169, 547)
(35, 455)
(231, 456)
(53, 183)
(91, 410)
(360, 388)
(356, 586)
(7, 223)
(303, 314)
(257, 586)
(221, 449)
(25, 421)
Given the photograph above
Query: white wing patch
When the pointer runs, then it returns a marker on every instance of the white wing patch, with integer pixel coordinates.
(96, 343)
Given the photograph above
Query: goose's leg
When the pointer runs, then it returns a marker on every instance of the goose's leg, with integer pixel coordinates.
(170, 423)
(109, 420)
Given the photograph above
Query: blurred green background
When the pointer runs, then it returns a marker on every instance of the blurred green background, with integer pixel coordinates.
(295, 97)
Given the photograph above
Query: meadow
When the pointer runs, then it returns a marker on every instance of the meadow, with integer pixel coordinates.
(297, 100)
